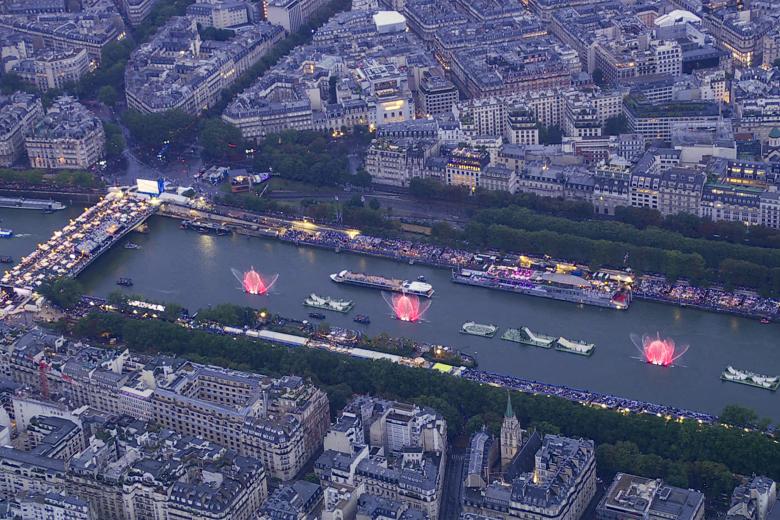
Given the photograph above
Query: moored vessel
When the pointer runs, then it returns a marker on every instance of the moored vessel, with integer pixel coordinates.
(316, 316)
(745, 377)
(546, 284)
(479, 329)
(206, 228)
(125, 282)
(362, 318)
(418, 287)
(6, 259)
(327, 303)
(581, 348)
(525, 336)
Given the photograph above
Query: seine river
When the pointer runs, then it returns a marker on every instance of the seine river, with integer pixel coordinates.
(195, 271)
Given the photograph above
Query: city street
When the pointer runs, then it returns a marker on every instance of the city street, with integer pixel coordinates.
(453, 479)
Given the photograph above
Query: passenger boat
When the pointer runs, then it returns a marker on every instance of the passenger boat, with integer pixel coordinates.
(206, 228)
(526, 337)
(479, 329)
(125, 282)
(6, 233)
(581, 348)
(316, 316)
(327, 303)
(557, 286)
(362, 318)
(418, 288)
(745, 377)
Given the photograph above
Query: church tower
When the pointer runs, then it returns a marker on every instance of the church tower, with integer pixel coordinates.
(511, 436)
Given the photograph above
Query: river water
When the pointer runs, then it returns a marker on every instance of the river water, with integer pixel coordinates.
(195, 271)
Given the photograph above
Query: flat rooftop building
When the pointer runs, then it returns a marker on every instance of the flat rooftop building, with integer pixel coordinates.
(632, 497)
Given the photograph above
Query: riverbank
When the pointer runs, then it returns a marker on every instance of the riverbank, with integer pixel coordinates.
(339, 342)
(745, 303)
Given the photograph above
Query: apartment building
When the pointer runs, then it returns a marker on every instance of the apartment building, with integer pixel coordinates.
(69, 136)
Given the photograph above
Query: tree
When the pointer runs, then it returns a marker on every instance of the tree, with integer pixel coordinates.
(221, 140)
(736, 415)
(373, 203)
(107, 95)
(776, 63)
(115, 141)
(616, 125)
(152, 130)
(62, 292)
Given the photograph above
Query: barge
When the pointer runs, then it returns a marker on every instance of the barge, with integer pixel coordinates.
(745, 377)
(479, 329)
(327, 303)
(417, 287)
(525, 336)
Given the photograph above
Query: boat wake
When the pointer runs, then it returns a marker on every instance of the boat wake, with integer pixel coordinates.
(22, 235)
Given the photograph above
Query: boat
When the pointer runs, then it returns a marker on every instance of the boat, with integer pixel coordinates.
(421, 278)
(525, 336)
(47, 206)
(125, 282)
(417, 288)
(557, 286)
(132, 245)
(206, 228)
(6, 233)
(316, 316)
(362, 318)
(581, 348)
(327, 303)
(765, 320)
(745, 377)
(6, 259)
(479, 329)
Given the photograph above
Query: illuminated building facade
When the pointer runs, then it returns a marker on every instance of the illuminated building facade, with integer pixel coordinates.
(70, 136)
(465, 166)
(558, 481)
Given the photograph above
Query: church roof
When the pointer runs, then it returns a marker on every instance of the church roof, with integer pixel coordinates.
(509, 410)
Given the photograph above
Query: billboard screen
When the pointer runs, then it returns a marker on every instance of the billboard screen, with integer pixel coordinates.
(150, 187)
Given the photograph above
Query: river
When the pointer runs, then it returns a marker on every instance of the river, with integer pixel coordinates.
(195, 271)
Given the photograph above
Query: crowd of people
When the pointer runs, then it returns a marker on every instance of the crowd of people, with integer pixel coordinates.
(585, 396)
(744, 303)
(402, 250)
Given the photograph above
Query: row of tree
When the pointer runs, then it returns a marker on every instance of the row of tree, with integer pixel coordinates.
(60, 178)
(701, 453)
(713, 252)
(688, 225)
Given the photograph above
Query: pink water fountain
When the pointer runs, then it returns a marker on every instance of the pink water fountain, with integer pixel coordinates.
(253, 282)
(658, 351)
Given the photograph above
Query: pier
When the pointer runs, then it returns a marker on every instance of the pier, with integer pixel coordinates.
(73, 248)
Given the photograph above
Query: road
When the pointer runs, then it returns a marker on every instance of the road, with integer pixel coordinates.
(453, 478)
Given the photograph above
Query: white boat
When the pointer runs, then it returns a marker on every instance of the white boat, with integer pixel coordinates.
(327, 303)
(479, 329)
(746, 377)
